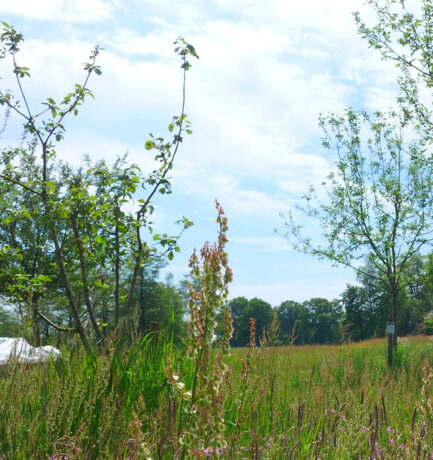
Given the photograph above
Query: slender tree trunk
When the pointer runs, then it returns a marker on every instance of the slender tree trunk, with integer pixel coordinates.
(58, 251)
(36, 325)
(69, 294)
(394, 302)
(142, 318)
(117, 273)
(137, 265)
(137, 278)
(85, 279)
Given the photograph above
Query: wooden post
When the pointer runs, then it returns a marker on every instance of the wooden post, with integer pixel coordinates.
(390, 332)
(390, 349)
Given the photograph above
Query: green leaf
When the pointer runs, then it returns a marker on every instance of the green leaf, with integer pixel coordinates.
(149, 145)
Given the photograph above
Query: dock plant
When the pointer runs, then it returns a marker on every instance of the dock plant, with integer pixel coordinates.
(203, 401)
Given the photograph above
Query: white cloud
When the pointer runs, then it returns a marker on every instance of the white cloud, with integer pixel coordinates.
(253, 103)
(61, 10)
(266, 70)
(237, 198)
(264, 243)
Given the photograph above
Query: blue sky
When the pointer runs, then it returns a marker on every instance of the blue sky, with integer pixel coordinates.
(267, 69)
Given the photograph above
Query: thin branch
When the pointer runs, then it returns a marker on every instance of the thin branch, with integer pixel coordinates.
(55, 326)
(14, 181)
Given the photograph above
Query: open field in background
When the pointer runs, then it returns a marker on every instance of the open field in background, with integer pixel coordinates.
(306, 402)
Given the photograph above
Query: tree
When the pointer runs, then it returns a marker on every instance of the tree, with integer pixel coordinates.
(294, 323)
(164, 307)
(365, 306)
(262, 312)
(237, 307)
(81, 243)
(242, 310)
(365, 309)
(378, 202)
(403, 33)
(353, 302)
(325, 319)
(416, 301)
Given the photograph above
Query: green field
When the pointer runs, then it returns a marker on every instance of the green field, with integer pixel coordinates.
(310, 402)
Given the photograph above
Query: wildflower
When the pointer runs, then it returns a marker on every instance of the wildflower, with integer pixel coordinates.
(130, 443)
(204, 424)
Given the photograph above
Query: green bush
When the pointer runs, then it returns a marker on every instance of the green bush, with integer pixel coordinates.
(427, 327)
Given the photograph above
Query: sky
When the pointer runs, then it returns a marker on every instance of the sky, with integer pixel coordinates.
(267, 69)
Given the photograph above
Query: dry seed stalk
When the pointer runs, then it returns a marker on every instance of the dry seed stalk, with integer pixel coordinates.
(204, 401)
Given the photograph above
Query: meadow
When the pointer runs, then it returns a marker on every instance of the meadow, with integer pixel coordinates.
(292, 402)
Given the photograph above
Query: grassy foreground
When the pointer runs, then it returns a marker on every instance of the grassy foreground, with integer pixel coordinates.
(327, 402)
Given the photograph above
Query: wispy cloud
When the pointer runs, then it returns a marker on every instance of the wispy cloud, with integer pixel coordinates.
(266, 70)
(264, 243)
(61, 10)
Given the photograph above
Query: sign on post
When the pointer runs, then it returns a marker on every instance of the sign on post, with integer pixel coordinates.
(390, 329)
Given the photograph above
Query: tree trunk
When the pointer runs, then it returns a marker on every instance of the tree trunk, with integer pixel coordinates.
(69, 294)
(394, 300)
(117, 274)
(142, 308)
(36, 326)
(85, 279)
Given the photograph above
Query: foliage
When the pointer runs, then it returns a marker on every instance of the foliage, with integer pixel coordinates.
(427, 327)
(294, 323)
(242, 310)
(163, 305)
(402, 33)
(378, 205)
(324, 320)
(67, 234)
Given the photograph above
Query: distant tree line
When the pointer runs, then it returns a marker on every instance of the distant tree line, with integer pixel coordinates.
(360, 313)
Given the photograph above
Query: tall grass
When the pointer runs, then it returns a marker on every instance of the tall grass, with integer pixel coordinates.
(79, 406)
(280, 402)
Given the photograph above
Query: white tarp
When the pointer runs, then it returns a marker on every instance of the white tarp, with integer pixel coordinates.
(23, 352)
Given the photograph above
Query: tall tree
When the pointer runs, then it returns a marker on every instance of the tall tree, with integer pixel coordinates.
(365, 309)
(378, 202)
(355, 317)
(403, 33)
(294, 323)
(73, 234)
(164, 307)
(325, 319)
(242, 311)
